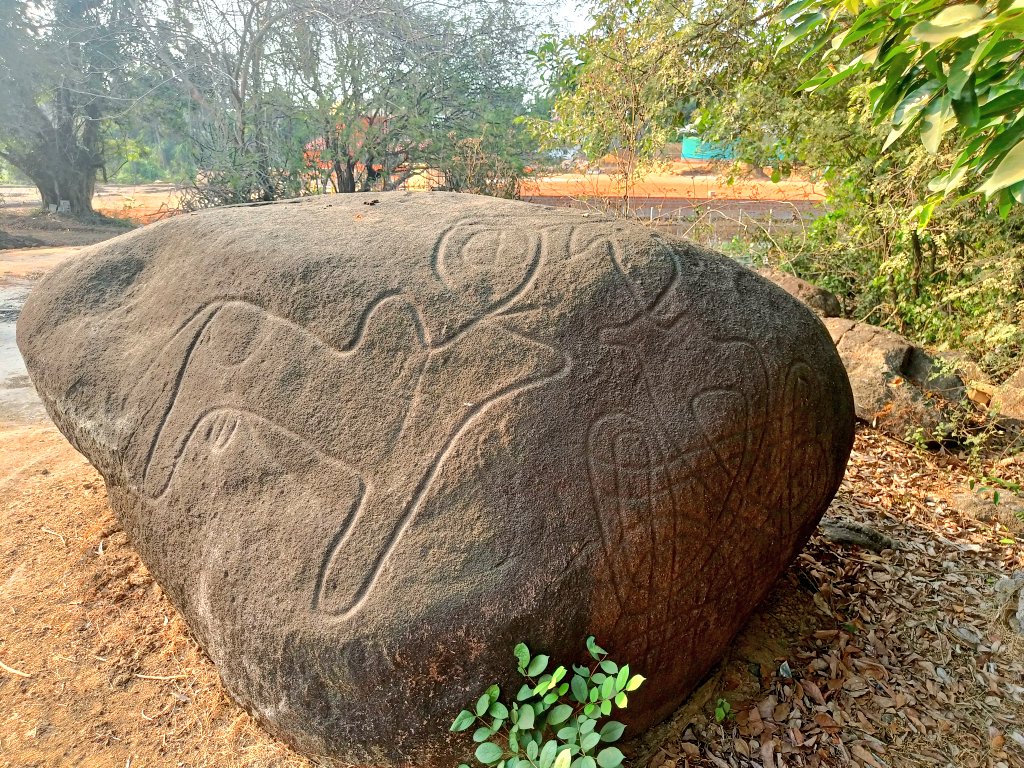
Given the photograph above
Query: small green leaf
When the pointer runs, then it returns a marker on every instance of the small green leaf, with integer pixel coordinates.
(559, 714)
(594, 649)
(951, 22)
(935, 123)
(805, 25)
(606, 706)
(610, 757)
(482, 704)
(1009, 171)
(589, 741)
(924, 214)
(590, 710)
(537, 665)
(498, 710)
(568, 733)
(563, 759)
(489, 753)
(547, 754)
(1005, 103)
(959, 73)
(532, 749)
(522, 656)
(635, 682)
(621, 701)
(612, 731)
(493, 692)
(915, 101)
(588, 762)
(609, 667)
(526, 717)
(524, 693)
(622, 678)
(793, 9)
(463, 720)
(579, 688)
(481, 734)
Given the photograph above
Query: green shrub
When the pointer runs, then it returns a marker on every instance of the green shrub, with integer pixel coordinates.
(555, 720)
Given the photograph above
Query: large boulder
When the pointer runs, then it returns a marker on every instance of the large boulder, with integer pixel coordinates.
(368, 446)
(897, 386)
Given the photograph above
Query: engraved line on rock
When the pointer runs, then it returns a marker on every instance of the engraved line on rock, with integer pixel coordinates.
(347, 350)
(506, 392)
(537, 245)
(422, 488)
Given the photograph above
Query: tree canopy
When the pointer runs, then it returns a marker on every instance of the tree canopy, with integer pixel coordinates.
(65, 70)
(935, 69)
(271, 97)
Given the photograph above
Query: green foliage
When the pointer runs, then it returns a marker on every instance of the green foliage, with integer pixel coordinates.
(935, 69)
(723, 711)
(291, 97)
(610, 86)
(556, 720)
(66, 68)
(959, 284)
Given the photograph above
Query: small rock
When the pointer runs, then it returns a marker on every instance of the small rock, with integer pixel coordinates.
(897, 386)
(1008, 398)
(1010, 597)
(823, 302)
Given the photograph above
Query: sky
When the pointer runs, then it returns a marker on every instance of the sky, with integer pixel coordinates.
(571, 16)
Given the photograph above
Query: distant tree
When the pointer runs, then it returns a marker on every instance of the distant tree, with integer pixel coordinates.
(63, 71)
(647, 68)
(301, 95)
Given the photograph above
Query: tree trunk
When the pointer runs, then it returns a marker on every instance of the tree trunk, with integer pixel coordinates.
(345, 173)
(76, 185)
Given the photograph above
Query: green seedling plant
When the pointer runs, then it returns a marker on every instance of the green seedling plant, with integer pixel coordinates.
(556, 721)
(723, 711)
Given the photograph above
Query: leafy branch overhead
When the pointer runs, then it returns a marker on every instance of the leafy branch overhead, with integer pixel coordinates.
(554, 720)
(944, 71)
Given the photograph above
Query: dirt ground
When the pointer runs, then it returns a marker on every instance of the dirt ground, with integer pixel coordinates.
(688, 180)
(896, 659)
(137, 203)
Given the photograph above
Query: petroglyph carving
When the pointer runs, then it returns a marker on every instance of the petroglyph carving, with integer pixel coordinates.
(362, 408)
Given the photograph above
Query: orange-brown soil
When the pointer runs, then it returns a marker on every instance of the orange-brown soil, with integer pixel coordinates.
(680, 180)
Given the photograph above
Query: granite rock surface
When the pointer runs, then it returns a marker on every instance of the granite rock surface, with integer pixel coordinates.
(366, 449)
